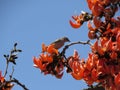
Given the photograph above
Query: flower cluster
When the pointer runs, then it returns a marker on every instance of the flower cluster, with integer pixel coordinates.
(105, 8)
(103, 63)
(76, 65)
(84, 70)
(80, 19)
(49, 61)
(107, 50)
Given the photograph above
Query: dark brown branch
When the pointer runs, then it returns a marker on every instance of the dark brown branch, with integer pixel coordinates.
(20, 84)
(14, 81)
(80, 42)
(66, 47)
(73, 43)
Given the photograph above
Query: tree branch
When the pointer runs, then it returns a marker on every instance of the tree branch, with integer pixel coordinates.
(7, 64)
(73, 43)
(13, 81)
(11, 73)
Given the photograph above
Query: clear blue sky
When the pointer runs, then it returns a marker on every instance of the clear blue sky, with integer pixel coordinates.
(32, 22)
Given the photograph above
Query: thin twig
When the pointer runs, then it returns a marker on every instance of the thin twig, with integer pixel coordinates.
(7, 64)
(80, 42)
(11, 59)
(12, 73)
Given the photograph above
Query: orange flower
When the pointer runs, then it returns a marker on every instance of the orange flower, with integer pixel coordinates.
(78, 21)
(46, 58)
(87, 77)
(76, 66)
(49, 62)
(76, 55)
(38, 64)
(73, 58)
(104, 45)
(1, 77)
(42, 61)
(75, 24)
(44, 48)
(97, 9)
(97, 48)
(96, 6)
(51, 49)
(77, 70)
(94, 74)
(91, 3)
(90, 69)
(90, 63)
(117, 79)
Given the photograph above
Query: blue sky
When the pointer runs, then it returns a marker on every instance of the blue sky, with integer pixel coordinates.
(32, 22)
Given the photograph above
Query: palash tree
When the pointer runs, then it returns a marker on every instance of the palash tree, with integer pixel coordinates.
(103, 63)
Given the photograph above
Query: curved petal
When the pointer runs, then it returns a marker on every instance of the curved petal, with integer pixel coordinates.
(74, 25)
(44, 47)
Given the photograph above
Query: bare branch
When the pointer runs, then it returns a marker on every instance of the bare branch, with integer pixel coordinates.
(12, 73)
(20, 84)
(73, 43)
(13, 81)
(7, 64)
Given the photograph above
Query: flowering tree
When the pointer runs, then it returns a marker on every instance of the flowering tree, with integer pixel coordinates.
(103, 63)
